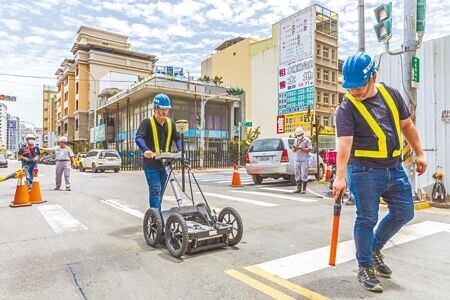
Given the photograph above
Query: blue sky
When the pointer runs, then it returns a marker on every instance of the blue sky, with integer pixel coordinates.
(37, 35)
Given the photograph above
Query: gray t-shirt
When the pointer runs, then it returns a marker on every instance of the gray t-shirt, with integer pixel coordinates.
(349, 122)
(299, 154)
(62, 153)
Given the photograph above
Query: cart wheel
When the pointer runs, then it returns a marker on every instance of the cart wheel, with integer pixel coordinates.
(152, 227)
(438, 193)
(176, 235)
(229, 215)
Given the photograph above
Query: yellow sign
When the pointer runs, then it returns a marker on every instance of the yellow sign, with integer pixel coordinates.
(299, 119)
(326, 130)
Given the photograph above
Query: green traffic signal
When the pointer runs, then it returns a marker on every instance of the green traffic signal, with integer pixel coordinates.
(420, 17)
(383, 28)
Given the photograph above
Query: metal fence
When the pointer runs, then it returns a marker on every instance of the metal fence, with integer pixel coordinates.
(132, 160)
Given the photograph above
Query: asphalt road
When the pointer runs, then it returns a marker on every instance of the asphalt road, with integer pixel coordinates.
(88, 244)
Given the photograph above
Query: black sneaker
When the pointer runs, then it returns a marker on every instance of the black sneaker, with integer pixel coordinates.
(382, 269)
(57, 189)
(68, 188)
(369, 280)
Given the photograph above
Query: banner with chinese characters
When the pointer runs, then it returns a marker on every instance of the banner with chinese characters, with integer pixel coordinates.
(296, 63)
(292, 121)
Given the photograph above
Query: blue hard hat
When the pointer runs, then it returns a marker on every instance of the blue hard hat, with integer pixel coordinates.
(162, 101)
(357, 70)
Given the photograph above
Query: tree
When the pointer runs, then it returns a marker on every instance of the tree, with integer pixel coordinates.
(217, 80)
(205, 78)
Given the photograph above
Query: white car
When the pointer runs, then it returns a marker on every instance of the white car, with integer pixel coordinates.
(273, 158)
(101, 159)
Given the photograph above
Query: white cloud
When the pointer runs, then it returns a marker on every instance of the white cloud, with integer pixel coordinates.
(12, 24)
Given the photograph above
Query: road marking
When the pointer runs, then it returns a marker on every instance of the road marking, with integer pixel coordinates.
(255, 202)
(319, 195)
(59, 219)
(317, 259)
(298, 199)
(116, 204)
(265, 289)
(286, 284)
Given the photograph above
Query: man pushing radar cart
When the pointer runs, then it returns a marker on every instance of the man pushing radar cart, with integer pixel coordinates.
(189, 228)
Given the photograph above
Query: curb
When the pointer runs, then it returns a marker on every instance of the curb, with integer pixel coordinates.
(421, 205)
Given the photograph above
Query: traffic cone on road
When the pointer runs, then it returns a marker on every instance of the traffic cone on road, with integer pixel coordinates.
(21, 198)
(35, 192)
(328, 173)
(236, 180)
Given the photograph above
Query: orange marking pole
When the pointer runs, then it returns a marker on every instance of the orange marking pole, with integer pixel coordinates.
(335, 230)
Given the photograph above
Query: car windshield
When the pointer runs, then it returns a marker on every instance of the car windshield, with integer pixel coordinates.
(111, 154)
(266, 145)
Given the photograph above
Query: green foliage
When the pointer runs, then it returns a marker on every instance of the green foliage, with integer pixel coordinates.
(205, 78)
(217, 80)
(250, 135)
(235, 91)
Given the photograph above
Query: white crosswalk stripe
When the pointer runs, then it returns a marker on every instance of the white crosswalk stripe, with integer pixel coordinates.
(272, 195)
(239, 199)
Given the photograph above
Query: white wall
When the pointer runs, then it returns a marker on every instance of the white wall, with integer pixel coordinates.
(433, 97)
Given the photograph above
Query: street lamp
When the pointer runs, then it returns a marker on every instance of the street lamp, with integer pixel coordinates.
(229, 92)
(95, 100)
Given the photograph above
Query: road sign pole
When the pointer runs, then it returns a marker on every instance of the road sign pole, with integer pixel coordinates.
(239, 146)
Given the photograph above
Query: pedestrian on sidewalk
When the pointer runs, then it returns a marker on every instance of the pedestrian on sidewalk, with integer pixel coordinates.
(370, 123)
(29, 155)
(64, 160)
(155, 135)
(301, 148)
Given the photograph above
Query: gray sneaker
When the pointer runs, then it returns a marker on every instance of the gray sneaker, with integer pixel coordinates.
(369, 279)
(382, 269)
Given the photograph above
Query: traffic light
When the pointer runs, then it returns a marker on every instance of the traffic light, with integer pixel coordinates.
(420, 17)
(383, 28)
(235, 91)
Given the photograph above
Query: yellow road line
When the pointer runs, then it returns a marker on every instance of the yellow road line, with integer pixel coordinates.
(286, 283)
(271, 292)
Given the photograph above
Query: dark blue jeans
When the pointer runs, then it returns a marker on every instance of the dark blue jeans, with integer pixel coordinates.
(29, 172)
(367, 185)
(156, 180)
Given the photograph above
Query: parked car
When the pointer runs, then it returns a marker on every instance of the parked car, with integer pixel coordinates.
(101, 160)
(3, 161)
(273, 158)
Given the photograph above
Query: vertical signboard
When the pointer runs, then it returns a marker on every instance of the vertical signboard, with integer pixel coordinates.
(296, 64)
(280, 124)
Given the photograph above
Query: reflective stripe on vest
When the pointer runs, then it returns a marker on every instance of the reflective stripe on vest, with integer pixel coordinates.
(155, 135)
(382, 151)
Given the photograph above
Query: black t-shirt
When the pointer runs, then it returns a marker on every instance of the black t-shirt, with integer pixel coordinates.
(350, 122)
(144, 140)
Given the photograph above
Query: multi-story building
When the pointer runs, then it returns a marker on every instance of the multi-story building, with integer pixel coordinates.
(96, 55)
(291, 78)
(13, 140)
(49, 96)
(3, 125)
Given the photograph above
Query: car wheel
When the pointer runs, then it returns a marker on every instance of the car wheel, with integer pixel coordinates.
(94, 168)
(102, 170)
(229, 215)
(116, 170)
(81, 168)
(257, 179)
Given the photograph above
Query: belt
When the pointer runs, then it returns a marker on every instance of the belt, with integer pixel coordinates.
(62, 160)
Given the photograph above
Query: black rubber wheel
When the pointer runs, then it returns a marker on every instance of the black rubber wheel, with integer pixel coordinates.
(94, 168)
(152, 227)
(176, 235)
(81, 168)
(102, 170)
(257, 179)
(116, 170)
(438, 194)
(229, 215)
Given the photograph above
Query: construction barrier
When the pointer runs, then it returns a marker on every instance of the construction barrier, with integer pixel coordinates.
(21, 197)
(236, 180)
(35, 192)
(328, 172)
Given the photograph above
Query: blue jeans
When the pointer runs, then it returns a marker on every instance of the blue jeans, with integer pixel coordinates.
(156, 180)
(367, 185)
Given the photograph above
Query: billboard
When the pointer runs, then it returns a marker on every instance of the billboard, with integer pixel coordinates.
(296, 67)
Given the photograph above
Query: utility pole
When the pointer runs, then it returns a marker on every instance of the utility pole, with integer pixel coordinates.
(361, 27)
(414, 27)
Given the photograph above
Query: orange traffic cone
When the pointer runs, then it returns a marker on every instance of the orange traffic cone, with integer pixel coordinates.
(236, 180)
(21, 198)
(35, 193)
(328, 173)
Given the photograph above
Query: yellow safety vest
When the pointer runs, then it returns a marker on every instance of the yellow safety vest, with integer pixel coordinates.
(382, 151)
(155, 135)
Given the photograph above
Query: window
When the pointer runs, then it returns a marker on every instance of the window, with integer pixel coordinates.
(318, 97)
(333, 54)
(333, 99)
(326, 52)
(318, 73)
(326, 98)
(333, 76)
(318, 50)
(66, 111)
(66, 96)
(76, 105)
(76, 87)
(76, 124)
(326, 121)
(326, 75)
(65, 127)
(76, 70)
